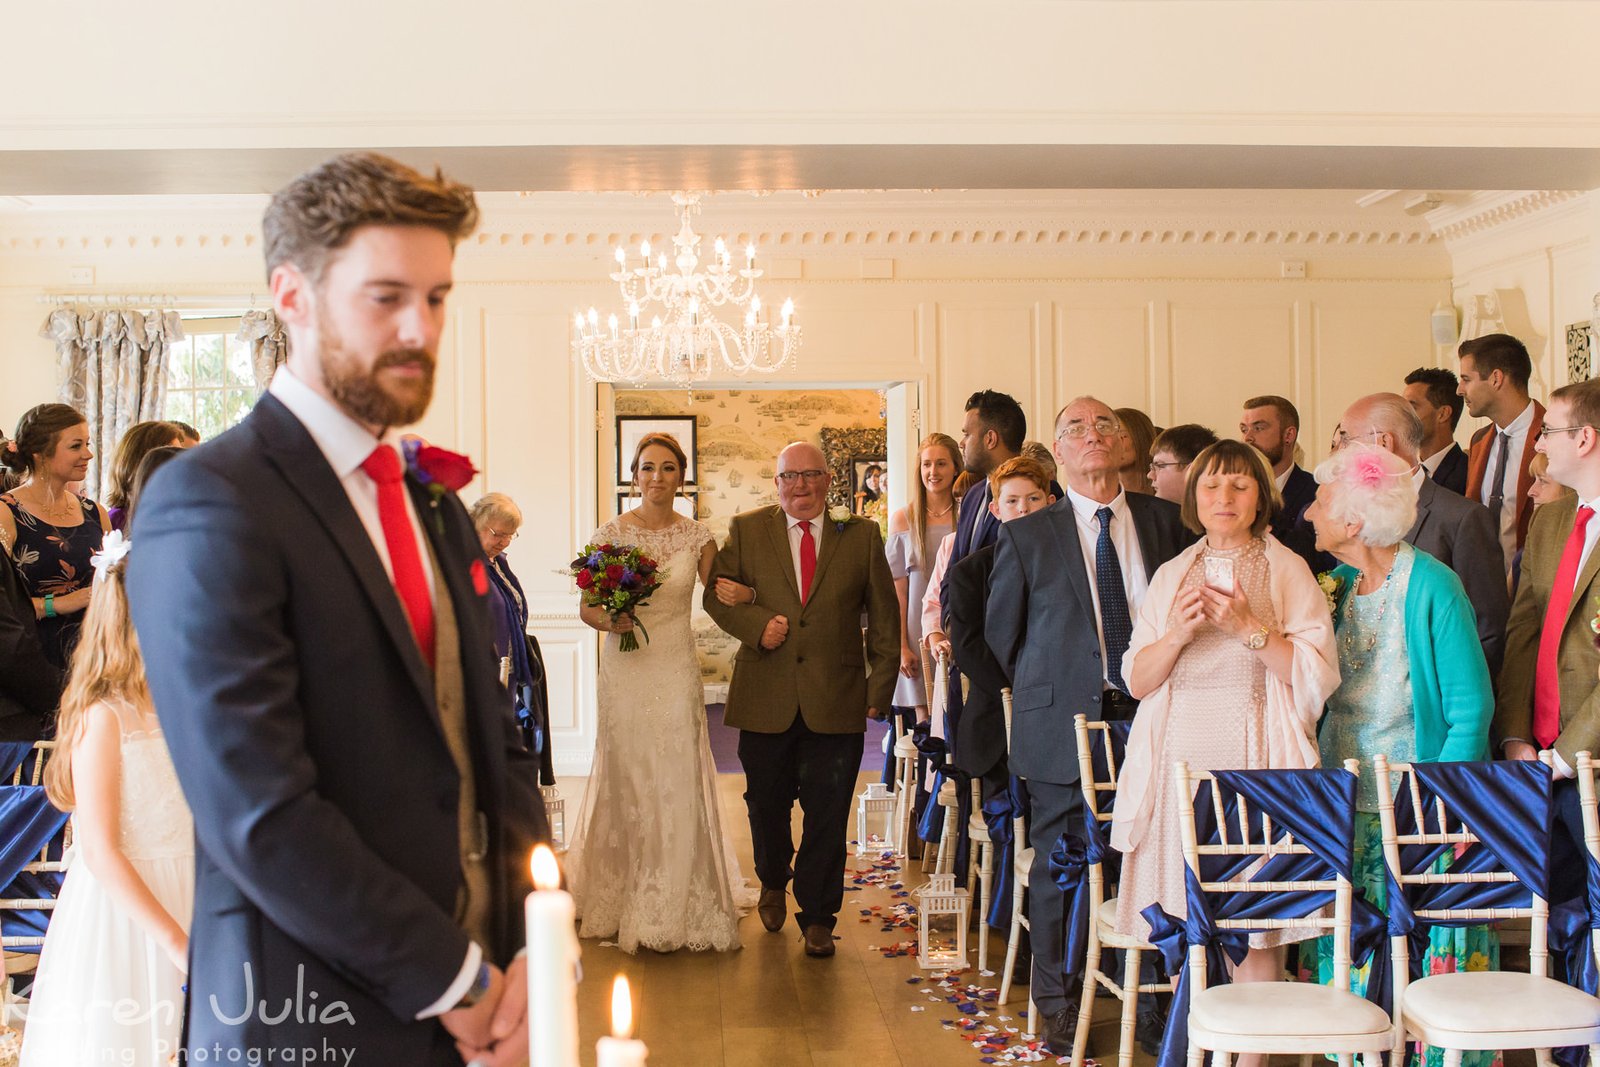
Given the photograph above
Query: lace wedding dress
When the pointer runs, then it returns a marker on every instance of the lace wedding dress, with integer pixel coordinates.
(106, 991)
(649, 865)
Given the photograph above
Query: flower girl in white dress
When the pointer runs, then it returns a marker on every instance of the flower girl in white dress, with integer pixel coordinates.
(111, 973)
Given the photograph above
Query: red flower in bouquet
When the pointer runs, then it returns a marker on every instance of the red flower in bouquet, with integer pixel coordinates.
(618, 579)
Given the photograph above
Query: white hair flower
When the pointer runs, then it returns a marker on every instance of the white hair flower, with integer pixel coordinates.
(112, 550)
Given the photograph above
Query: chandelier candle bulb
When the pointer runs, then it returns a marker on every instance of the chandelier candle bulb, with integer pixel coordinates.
(750, 257)
(633, 316)
(622, 260)
(549, 915)
(644, 252)
(612, 322)
(620, 1049)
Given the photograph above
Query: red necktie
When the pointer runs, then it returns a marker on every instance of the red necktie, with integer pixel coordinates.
(808, 559)
(1546, 680)
(383, 467)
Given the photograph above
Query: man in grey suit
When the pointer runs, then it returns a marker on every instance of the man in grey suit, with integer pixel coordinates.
(1067, 584)
(1458, 532)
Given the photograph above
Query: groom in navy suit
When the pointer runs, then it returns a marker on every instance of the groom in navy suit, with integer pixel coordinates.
(314, 621)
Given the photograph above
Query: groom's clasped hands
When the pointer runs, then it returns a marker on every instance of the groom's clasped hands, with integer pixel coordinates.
(494, 1031)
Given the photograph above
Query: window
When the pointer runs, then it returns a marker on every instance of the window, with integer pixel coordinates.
(209, 382)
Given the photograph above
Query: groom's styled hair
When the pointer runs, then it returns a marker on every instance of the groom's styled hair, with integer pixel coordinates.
(315, 214)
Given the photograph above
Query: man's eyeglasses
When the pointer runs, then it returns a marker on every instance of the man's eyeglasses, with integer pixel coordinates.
(1157, 466)
(1548, 430)
(790, 477)
(1077, 431)
(492, 532)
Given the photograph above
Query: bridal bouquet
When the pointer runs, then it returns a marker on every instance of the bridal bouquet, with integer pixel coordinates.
(617, 578)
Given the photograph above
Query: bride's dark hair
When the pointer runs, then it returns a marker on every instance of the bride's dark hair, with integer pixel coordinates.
(664, 440)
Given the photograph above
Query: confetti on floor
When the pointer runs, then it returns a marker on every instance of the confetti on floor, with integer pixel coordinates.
(963, 1008)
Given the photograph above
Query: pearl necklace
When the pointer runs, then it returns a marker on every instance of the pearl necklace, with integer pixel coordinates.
(1371, 642)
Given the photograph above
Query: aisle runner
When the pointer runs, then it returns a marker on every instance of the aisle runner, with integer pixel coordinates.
(965, 1010)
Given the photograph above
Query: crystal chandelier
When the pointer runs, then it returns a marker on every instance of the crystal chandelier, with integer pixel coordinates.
(685, 341)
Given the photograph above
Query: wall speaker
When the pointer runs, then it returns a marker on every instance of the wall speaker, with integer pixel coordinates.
(1443, 322)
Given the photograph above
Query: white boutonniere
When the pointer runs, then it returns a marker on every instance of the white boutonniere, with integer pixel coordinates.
(839, 515)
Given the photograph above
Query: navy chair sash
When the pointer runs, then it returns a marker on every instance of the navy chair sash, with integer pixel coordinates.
(1318, 808)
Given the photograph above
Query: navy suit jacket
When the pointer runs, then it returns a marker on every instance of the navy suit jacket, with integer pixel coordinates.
(302, 722)
(1289, 525)
(1452, 470)
(1043, 631)
(981, 743)
(30, 685)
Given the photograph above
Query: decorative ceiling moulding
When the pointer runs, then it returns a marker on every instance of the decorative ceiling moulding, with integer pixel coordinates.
(1488, 211)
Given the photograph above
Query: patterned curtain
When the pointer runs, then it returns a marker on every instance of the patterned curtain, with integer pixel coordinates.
(112, 365)
(269, 344)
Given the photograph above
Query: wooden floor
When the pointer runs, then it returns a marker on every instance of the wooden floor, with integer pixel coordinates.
(770, 1004)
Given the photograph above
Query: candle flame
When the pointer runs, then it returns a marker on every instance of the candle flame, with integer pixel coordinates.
(621, 1008)
(546, 872)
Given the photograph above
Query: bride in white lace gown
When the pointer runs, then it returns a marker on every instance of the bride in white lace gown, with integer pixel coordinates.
(649, 864)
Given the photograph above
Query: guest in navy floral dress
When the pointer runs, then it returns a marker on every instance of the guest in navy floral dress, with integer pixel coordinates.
(49, 532)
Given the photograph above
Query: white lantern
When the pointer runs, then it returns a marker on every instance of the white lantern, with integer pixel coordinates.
(942, 913)
(555, 813)
(875, 801)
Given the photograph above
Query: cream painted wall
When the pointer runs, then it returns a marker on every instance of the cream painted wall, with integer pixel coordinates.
(1184, 332)
(1551, 255)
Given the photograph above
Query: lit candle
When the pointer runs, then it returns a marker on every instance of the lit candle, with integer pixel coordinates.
(788, 312)
(552, 967)
(622, 260)
(633, 315)
(644, 252)
(694, 312)
(612, 322)
(620, 1049)
(750, 257)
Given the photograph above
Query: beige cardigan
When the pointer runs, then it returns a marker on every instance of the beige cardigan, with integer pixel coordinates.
(1293, 709)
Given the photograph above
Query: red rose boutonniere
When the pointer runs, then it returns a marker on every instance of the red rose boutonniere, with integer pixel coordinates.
(438, 469)
(480, 578)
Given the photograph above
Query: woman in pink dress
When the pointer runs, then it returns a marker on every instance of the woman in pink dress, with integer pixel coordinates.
(1233, 658)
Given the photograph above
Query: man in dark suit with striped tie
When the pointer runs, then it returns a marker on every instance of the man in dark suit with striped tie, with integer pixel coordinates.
(1066, 586)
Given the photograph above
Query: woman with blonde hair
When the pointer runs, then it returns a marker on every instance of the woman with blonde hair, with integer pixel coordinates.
(914, 535)
(109, 987)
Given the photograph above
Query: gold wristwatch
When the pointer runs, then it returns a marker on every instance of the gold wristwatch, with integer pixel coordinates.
(1257, 640)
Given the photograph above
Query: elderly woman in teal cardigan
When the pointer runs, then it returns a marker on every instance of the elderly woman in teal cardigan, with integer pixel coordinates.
(1415, 684)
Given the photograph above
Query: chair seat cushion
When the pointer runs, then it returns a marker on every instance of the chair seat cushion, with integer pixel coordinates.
(1106, 927)
(1498, 1002)
(1273, 1009)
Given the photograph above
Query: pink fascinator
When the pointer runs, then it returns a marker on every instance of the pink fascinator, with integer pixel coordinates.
(1367, 471)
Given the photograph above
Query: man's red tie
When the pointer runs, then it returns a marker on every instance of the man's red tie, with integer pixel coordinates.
(1546, 676)
(410, 581)
(808, 559)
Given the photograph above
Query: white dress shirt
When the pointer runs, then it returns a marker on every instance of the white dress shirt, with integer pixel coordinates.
(1507, 519)
(1431, 464)
(346, 444)
(1125, 539)
(794, 544)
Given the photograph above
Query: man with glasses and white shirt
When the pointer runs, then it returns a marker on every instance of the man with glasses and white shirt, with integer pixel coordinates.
(1066, 585)
(1458, 532)
(1547, 699)
(803, 684)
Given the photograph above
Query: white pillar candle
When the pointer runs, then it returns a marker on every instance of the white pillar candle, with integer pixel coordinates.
(620, 1050)
(552, 967)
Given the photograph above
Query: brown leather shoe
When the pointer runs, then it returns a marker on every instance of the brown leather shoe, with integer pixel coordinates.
(771, 908)
(819, 940)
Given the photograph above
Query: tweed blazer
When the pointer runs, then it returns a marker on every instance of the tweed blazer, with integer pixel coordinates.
(824, 671)
(1578, 662)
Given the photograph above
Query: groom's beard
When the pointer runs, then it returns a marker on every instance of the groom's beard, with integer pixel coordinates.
(363, 393)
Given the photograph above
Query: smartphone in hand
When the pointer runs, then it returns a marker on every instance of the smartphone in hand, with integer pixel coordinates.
(1219, 574)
